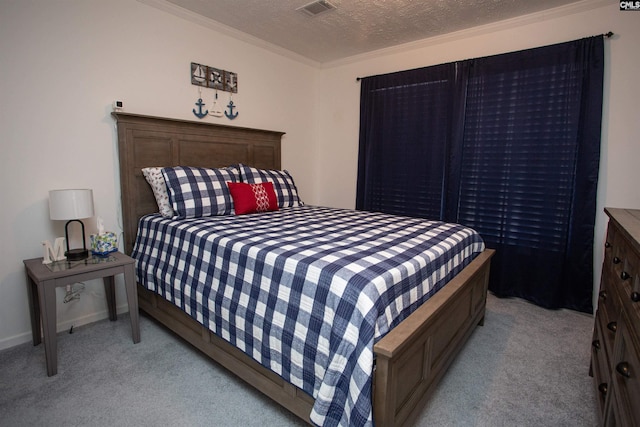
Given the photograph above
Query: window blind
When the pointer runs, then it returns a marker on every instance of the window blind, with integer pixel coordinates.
(519, 156)
(507, 144)
(406, 144)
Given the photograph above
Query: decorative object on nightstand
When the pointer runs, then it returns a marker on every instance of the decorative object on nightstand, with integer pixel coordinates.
(103, 243)
(71, 205)
(55, 253)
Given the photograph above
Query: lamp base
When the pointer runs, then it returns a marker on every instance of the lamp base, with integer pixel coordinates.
(76, 254)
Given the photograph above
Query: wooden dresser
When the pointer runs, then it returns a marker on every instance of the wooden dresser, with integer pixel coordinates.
(615, 350)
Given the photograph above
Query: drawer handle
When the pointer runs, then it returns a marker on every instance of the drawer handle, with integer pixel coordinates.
(602, 388)
(603, 295)
(596, 344)
(624, 275)
(607, 245)
(616, 260)
(623, 369)
(635, 296)
(612, 326)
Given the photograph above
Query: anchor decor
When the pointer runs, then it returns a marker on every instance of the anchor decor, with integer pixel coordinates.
(230, 114)
(200, 114)
(217, 79)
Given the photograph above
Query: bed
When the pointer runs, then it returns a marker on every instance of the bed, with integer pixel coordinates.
(406, 362)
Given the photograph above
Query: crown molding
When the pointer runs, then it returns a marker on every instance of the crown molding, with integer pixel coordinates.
(190, 16)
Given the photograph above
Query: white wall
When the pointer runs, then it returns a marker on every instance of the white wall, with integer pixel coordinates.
(619, 171)
(62, 63)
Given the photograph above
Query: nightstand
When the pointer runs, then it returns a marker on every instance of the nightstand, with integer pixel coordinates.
(43, 279)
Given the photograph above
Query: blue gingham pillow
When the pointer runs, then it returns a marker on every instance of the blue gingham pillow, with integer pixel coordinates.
(197, 192)
(283, 184)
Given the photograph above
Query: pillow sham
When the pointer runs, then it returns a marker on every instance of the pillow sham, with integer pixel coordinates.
(154, 177)
(283, 184)
(197, 192)
(253, 198)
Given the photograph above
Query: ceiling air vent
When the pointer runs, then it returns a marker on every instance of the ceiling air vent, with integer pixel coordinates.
(316, 8)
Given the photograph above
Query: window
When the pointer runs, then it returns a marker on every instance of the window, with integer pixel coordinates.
(508, 145)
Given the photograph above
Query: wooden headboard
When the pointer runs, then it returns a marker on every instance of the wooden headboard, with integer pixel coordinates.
(145, 141)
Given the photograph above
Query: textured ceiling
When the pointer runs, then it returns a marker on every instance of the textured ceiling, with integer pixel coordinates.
(357, 26)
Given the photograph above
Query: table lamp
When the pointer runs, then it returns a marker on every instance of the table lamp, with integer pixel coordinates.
(72, 205)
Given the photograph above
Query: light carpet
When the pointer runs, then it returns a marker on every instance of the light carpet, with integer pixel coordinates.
(526, 366)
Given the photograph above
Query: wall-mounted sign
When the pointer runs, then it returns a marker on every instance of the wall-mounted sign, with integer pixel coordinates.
(214, 78)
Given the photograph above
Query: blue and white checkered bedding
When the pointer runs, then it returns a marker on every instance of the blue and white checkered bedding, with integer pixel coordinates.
(305, 291)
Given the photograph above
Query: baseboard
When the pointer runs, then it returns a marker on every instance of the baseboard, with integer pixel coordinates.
(62, 326)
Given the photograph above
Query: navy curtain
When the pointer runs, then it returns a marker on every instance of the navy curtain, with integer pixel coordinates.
(508, 145)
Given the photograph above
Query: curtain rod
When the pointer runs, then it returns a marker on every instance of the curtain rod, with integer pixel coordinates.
(607, 35)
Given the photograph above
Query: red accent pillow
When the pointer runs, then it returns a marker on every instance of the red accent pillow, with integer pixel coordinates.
(251, 198)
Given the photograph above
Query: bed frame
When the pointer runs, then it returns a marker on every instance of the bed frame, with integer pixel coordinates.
(410, 360)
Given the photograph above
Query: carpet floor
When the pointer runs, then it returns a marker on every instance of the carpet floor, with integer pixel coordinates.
(526, 366)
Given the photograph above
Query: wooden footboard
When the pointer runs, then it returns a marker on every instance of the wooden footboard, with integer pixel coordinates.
(414, 356)
(410, 360)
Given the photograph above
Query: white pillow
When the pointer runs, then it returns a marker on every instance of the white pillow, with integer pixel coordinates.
(156, 180)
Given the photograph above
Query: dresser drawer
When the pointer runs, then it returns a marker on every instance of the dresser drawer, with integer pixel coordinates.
(627, 273)
(629, 290)
(626, 370)
(599, 365)
(615, 415)
(611, 245)
(624, 265)
(609, 307)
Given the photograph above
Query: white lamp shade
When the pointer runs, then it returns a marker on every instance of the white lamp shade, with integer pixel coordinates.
(70, 204)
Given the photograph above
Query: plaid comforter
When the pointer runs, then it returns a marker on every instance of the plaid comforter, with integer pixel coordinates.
(304, 291)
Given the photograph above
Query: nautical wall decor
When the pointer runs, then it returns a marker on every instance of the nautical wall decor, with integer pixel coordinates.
(200, 114)
(214, 78)
(231, 82)
(230, 114)
(216, 110)
(198, 74)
